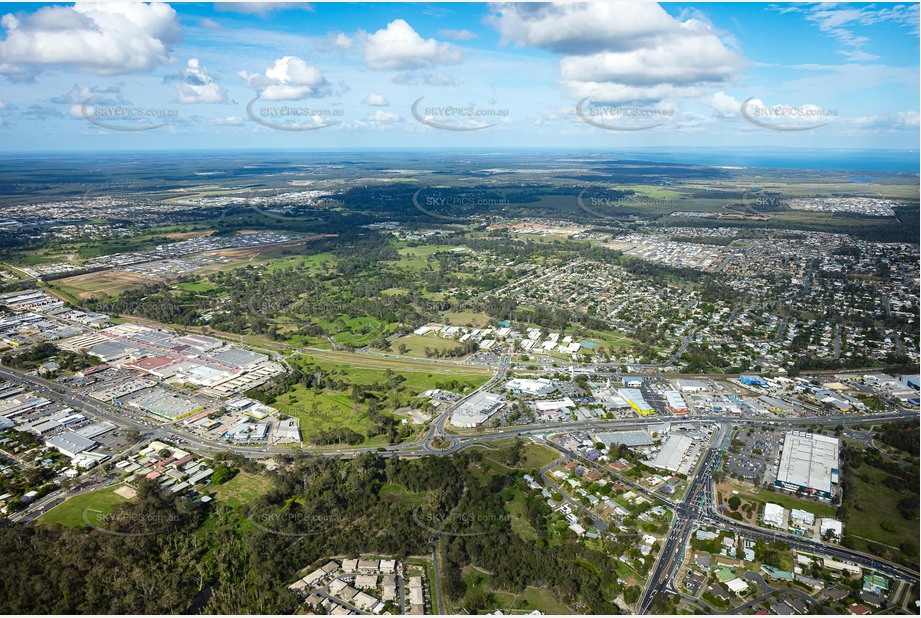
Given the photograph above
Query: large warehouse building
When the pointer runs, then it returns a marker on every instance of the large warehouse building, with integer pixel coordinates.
(809, 462)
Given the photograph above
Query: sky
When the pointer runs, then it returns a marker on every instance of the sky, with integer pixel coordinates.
(93, 77)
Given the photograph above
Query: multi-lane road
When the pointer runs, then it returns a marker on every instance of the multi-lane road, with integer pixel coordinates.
(695, 508)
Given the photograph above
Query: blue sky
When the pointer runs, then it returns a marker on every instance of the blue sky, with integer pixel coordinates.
(91, 77)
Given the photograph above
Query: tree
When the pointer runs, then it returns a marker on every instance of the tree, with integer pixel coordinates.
(734, 503)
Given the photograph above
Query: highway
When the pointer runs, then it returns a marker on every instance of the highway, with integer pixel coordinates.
(695, 508)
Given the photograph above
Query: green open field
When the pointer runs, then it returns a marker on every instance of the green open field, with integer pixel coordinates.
(513, 603)
(244, 488)
(417, 344)
(70, 512)
(463, 318)
(757, 494)
(349, 331)
(872, 504)
(368, 368)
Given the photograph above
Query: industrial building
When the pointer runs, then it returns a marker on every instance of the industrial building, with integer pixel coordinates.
(476, 409)
(70, 443)
(539, 387)
(627, 438)
(674, 454)
(690, 386)
(808, 463)
(753, 381)
(634, 397)
(675, 402)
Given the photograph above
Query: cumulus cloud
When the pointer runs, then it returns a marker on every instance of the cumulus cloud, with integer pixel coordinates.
(457, 35)
(195, 85)
(400, 47)
(724, 105)
(375, 99)
(107, 38)
(100, 96)
(290, 78)
(620, 53)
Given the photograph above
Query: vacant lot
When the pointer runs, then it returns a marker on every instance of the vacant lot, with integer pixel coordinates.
(244, 488)
(70, 512)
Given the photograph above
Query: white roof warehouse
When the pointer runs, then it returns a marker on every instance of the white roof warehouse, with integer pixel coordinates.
(809, 462)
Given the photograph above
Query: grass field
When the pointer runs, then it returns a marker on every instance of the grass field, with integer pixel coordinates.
(872, 504)
(104, 283)
(463, 318)
(244, 488)
(513, 603)
(350, 331)
(70, 512)
(370, 368)
(756, 494)
(417, 344)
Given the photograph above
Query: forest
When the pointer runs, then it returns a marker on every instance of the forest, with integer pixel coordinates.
(179, 556)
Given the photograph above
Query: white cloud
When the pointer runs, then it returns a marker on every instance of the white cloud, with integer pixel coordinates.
(80, 94)
(457, 35)
(400, 47)
(107, 38)
(439, 78)
(725, 106)
(228, 121)
(619, 53)
(380, 115)
(376, 99)
(195, 85)
(261, 8)
(838, 21)
(210, 24)
(290, 78)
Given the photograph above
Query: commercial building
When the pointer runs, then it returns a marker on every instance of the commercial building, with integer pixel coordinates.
(773, 515)
(675, 402)
(833, 526)
(627, 438)
(539, 387)
(476, 409)
(809, 464)
(70, 443)
(674, 453)
(634, 397)
(753, 381)
(690, 386)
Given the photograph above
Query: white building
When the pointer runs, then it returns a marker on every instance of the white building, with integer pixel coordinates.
(827, 524)
(804, 518)
(773, 515)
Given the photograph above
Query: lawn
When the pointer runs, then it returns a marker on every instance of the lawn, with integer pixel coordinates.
(463, 318)
(871, 504)
(417, 345)
(522, 603)
(196, 286)
(354, 331)
(70, 512)
(757, 494)
(244, 488)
